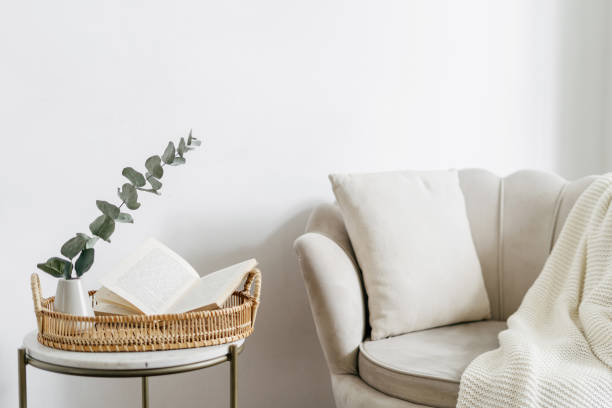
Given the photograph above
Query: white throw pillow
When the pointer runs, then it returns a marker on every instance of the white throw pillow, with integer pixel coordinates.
(413, 242)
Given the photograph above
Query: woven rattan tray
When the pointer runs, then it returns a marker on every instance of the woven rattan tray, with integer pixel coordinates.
(234, 321)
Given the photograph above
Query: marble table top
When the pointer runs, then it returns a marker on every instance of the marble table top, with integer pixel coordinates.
(123, 360)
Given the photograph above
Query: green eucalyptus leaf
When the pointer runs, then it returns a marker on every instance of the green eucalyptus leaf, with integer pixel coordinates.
(129, 196)
(153, 165)
(192, 141)
(135, 177)
(181, 147)
(169, 153)
(108, 209)
(125, 217)
(73, 246)
(103, 227)
(149, 190)
(67, 269)
(178, 161)
(84, 262)
(92, 241)
(51, 271)
(190, 137)
(56, 267)
(84, 236)
(133, 205)
(155, 183)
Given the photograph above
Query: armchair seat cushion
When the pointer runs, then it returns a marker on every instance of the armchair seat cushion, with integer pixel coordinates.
(425, 366)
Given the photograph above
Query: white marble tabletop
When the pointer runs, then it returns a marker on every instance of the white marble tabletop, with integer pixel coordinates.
(123, 360)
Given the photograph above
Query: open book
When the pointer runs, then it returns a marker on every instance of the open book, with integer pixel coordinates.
(156, 280)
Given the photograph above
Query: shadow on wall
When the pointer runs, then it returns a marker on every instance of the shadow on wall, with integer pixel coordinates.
(282, 364)
(581, 86)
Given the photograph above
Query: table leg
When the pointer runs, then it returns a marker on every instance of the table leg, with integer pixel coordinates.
(145, 392)
(21, 369)
(233, 376)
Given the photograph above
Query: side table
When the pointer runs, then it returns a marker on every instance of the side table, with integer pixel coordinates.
(126, 364)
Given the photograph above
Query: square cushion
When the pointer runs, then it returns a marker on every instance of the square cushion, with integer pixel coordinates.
(425, 367)
(412, 240)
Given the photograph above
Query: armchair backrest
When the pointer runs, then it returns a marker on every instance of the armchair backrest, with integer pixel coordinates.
(515, 221)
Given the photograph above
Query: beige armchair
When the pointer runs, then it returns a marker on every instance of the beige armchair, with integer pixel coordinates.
(514, 221)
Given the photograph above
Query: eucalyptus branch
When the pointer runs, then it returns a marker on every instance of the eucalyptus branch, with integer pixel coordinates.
(147, 180)
(104, 225)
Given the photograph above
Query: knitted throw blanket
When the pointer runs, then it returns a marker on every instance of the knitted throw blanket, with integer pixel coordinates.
(557, 350)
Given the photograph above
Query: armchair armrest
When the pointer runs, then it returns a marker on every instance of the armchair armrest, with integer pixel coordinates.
(335, 290)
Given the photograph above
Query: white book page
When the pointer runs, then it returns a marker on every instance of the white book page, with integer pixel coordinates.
(152, 278)
(104, 295)
(212, 290)
(109, 309)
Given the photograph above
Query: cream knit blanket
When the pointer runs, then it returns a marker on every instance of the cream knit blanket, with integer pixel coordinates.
(557, 351)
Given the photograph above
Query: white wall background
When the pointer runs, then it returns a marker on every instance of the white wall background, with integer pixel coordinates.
(283, 92)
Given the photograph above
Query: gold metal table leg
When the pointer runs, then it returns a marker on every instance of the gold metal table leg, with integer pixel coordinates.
(145, 392)
(21, 368)
(233, 376)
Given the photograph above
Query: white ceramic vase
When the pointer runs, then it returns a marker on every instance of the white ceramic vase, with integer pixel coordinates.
(70, 298)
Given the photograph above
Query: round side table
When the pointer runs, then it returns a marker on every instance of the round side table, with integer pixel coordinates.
(126, 364)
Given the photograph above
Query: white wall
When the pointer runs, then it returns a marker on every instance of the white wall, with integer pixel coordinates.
(284, 93)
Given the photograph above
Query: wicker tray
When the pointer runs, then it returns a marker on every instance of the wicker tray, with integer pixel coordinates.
(148, 333)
